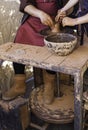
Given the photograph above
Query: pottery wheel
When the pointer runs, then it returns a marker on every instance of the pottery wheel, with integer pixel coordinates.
(60, 111)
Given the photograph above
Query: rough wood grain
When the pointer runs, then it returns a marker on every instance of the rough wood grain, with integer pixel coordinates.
(41, 57)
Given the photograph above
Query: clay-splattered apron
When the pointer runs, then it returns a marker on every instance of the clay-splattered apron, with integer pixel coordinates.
(29, 32)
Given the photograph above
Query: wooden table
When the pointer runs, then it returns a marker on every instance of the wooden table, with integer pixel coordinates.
(74, 64)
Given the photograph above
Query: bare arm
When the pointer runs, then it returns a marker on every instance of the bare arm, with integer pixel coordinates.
(33, 11)
(71, 22)
(44, 17)
(61, 12)
(69, 4)
(81, 20)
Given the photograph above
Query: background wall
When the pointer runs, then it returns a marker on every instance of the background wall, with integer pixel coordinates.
(9, 22)
(9, 19)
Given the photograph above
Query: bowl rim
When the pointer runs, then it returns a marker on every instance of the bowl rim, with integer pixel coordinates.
(75, 38)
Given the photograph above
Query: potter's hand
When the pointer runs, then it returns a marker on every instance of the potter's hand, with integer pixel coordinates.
(56, 28)
(60, 15)
(46, 19)
(68, 21)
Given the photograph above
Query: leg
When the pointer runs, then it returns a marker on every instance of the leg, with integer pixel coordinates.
(49, 86)
(38, 76)
(19, 86)
(19, 68)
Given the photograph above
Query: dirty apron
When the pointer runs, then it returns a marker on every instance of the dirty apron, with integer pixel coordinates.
(29, 31)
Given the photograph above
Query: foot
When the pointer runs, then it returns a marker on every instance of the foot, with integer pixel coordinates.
(13, 93)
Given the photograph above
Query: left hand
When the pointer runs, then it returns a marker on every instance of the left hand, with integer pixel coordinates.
(66, 21)
(46, 19)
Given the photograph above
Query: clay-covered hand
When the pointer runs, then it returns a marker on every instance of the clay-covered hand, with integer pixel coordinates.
(56, 28)
(60, 15)
(66, 21)
(46, 19)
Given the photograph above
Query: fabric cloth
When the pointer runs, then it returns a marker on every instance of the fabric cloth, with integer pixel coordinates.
(29, 31)
(24, 3)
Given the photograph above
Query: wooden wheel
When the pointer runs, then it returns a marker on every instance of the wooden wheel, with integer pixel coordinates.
(60, 111)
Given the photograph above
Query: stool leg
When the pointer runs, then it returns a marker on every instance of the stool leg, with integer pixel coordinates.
(58, 84)
(38, 76)
(44, 127)
(24, 116)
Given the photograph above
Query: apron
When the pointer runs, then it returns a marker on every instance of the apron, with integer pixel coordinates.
(29, 31)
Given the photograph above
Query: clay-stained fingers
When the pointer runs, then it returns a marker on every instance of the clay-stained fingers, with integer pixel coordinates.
(67, 21)
(60, 15)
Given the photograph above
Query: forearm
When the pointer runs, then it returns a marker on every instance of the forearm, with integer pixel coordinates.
(44, 17)
(81, 20)
(24, 3)
(32, 10)
(69, 4)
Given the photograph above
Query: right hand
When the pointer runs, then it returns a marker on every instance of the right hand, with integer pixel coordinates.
(60, 15)
(68, 21)
(46, 19)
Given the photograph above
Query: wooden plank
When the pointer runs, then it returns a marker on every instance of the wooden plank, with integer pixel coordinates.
(77, 59)
(24, 54)
(41, 57)
(33, 55)
(54, 61)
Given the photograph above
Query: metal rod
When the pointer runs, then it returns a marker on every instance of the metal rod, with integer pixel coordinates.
(58, 84)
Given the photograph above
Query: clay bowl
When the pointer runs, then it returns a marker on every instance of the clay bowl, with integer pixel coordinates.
(60, 44)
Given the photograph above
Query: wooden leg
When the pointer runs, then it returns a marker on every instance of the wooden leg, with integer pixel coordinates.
(44, 127)
(38, 76)
(78, 89)
(24, 116)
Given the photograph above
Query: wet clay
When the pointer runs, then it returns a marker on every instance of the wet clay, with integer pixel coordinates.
(59, 38)
(49, 31)
(46, 32)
